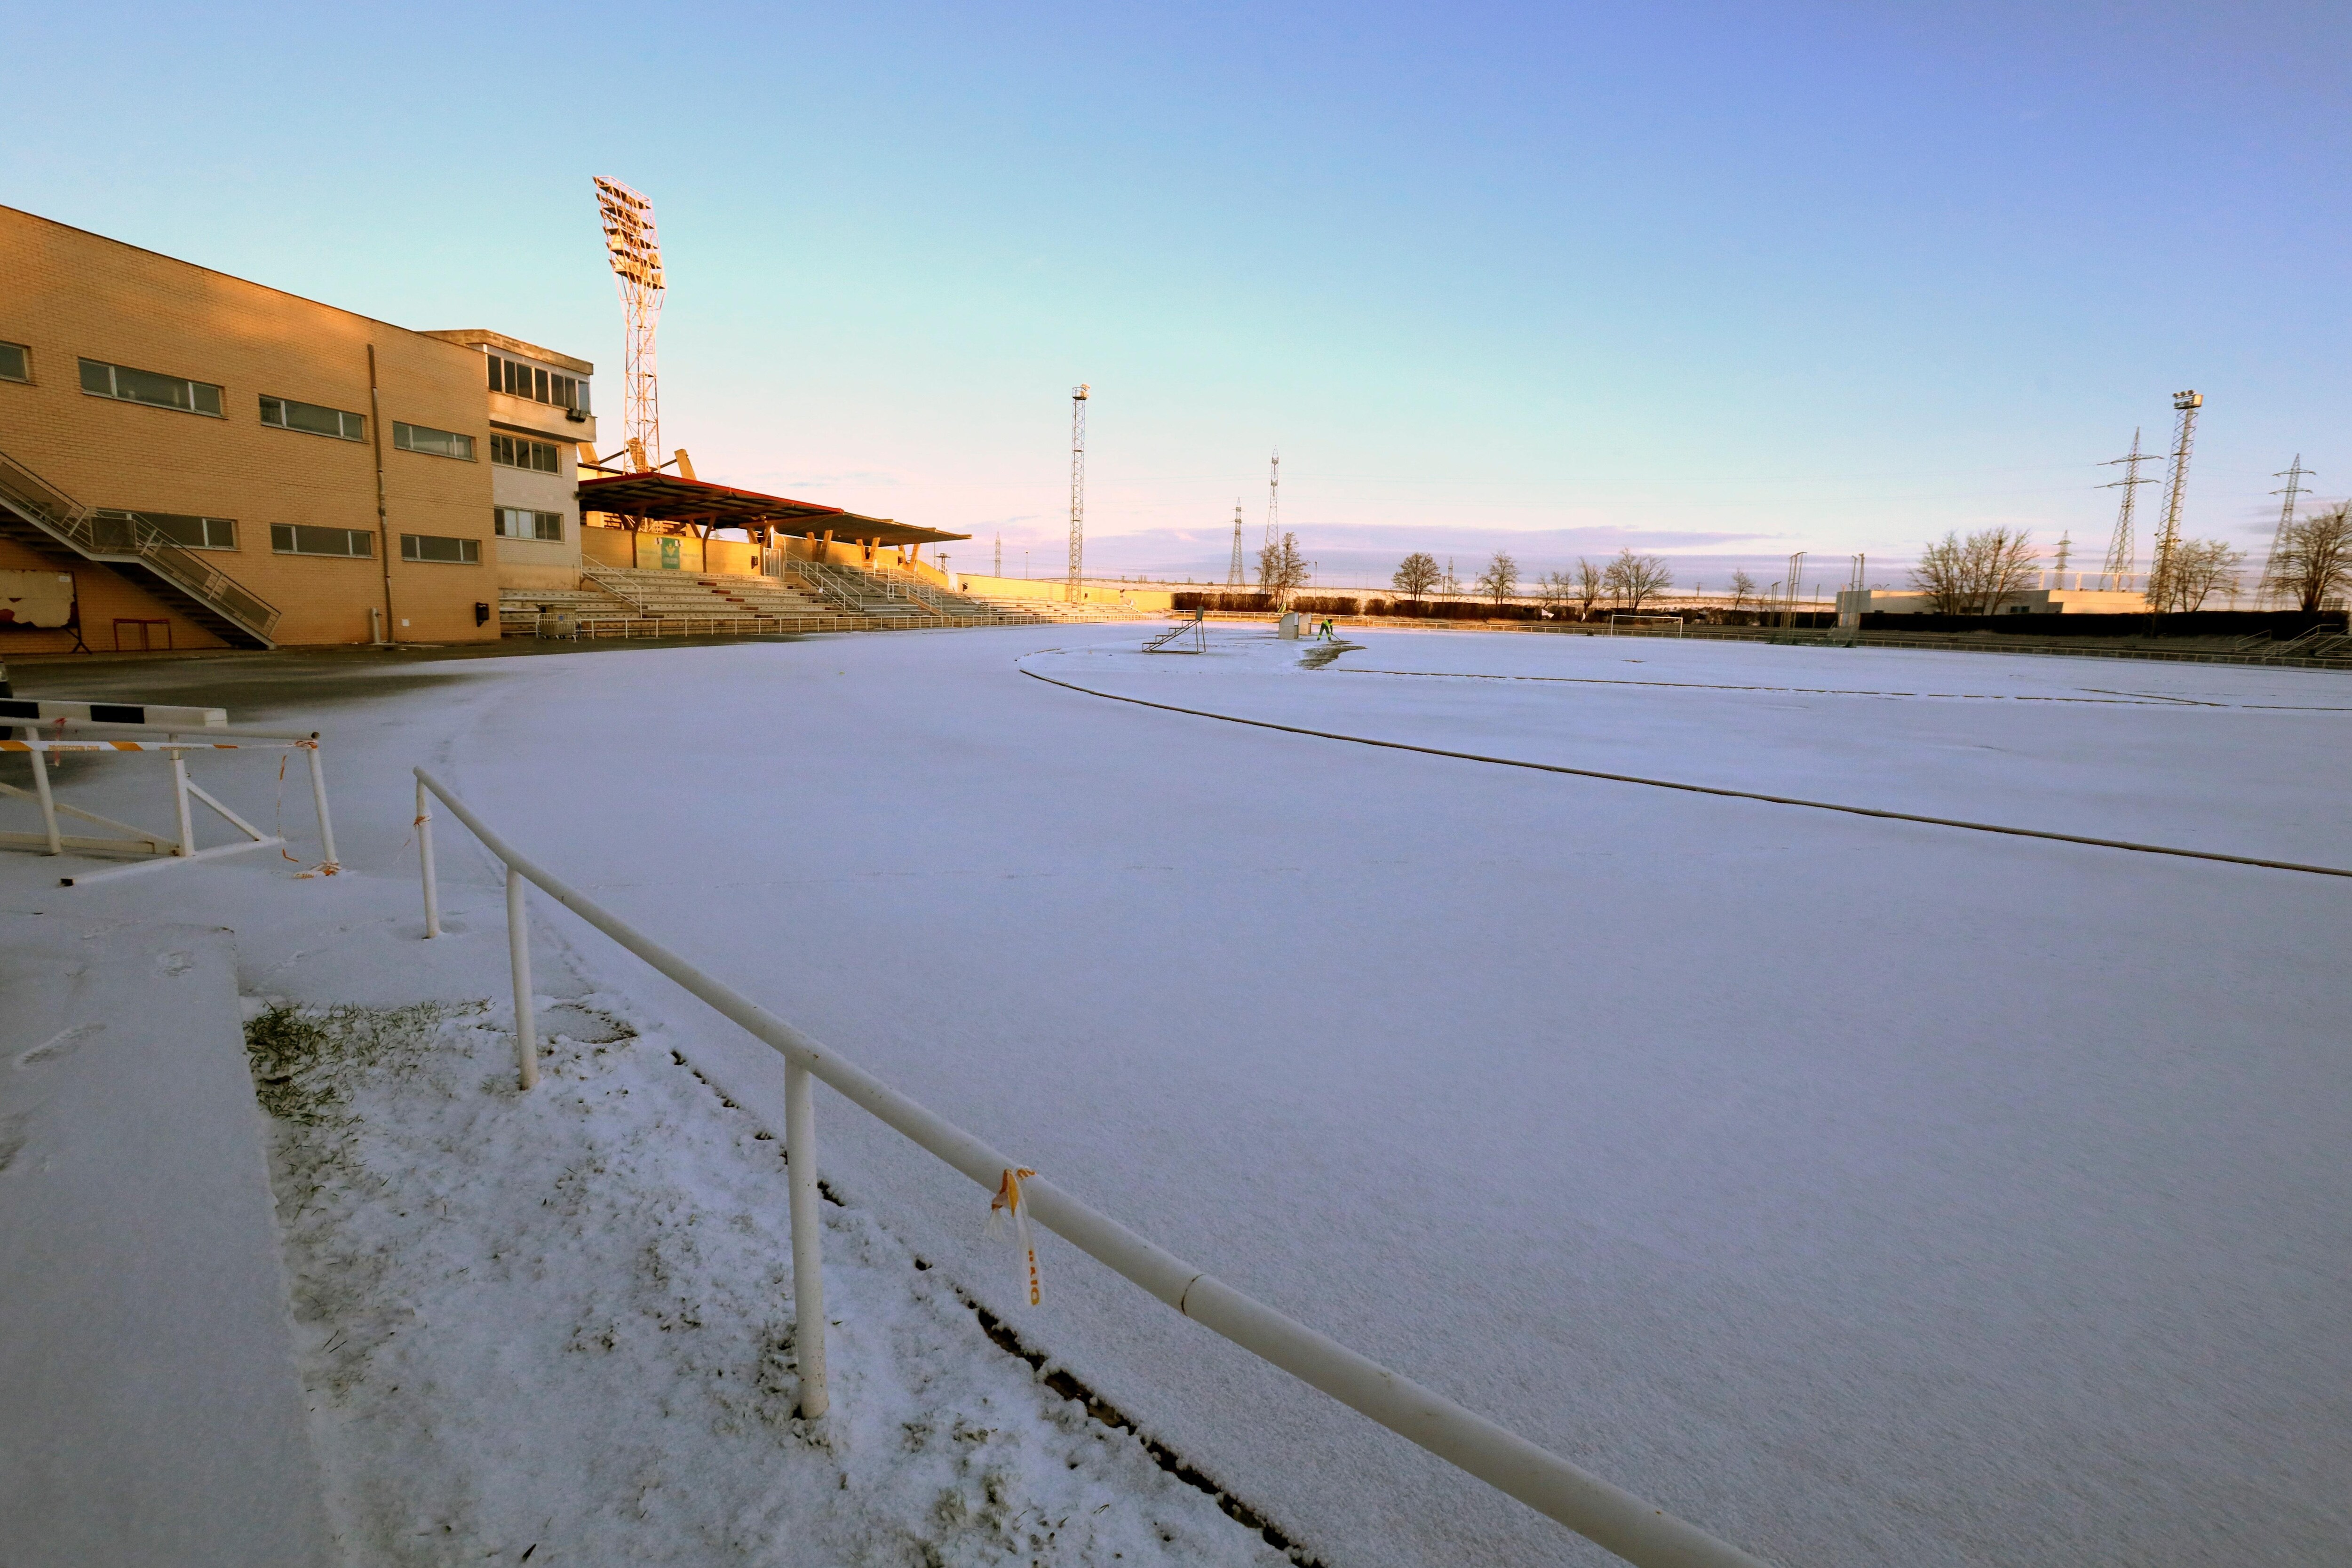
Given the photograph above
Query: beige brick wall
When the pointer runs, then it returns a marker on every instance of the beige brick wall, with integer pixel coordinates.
(72, 295)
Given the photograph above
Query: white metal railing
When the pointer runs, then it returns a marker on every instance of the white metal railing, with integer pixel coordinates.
(1606, 1514)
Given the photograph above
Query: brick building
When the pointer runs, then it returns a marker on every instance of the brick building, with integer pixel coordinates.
(215, 463)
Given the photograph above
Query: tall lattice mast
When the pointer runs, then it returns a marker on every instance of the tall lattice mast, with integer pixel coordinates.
(1237, 574)
(1077, 492)
(2168, 538)
(1274, 502)
(2293, 474)
(635, 247)
(2121, 547)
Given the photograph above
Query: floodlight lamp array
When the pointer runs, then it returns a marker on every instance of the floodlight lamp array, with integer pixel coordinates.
(631, 239)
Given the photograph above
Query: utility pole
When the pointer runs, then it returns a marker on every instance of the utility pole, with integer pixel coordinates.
(2294, 474)
(1000, 556)
(2121, 547)
(1077, 493)
(1237, 574)
(2167, 538)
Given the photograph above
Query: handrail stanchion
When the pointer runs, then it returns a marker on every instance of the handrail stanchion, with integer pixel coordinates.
(319, 796)
(519, 947)
(425, 856)
(808, 1248)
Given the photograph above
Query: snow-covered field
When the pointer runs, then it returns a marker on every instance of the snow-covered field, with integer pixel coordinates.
(1863, 1190)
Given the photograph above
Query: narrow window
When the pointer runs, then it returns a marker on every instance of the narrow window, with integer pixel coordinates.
(438, 547)
(156, 391)
(495, 361)
(312, 420)
(435, 443)
(538, 385)
(121, 527)
(15, 362)
(301, 539)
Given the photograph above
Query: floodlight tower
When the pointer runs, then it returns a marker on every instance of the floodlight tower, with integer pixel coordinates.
(1274, 502)
(2293, 474)
(1077, 492)
(2184, 406)
(633, 245)
(1236, 574)
(2121, 546)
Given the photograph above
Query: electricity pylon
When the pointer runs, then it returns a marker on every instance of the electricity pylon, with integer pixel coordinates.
(2294, 474)
(2167, 538)
(1077, 492)
(2121, 547)
(1237, 574)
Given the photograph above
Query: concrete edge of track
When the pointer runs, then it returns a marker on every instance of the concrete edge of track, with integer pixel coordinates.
(1687, 788)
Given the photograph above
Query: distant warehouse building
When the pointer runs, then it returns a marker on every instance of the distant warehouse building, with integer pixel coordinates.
(2057, 593)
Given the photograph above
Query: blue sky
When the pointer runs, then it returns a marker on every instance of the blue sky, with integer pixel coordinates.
(1722, 281)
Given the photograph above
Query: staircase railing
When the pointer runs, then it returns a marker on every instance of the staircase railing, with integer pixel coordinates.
(81, 527)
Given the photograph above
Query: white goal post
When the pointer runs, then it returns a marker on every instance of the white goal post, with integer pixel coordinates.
(1621, 624)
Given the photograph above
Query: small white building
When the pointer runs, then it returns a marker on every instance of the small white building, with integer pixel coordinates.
(539, 414)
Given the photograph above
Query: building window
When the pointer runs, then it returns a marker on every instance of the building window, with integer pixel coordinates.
(515, 452)
(436, 547)
(438, 443)
(288, 415)
(15, 362)
(516, 379)
(515, 522)
(187, 532)
(301, 539)
(145, 386)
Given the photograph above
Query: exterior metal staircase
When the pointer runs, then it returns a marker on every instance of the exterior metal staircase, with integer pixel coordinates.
(34, 511)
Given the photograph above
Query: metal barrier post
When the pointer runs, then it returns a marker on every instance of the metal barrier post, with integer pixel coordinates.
(519, 948)
(180, 802)
(319, 796)
(425, 856)
(40, 760)
(808, 1249)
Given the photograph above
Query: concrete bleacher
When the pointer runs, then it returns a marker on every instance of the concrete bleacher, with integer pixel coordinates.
(620, 601)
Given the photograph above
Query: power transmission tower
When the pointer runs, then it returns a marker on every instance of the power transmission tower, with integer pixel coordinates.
(1237, 574)
(2167, 538)
(1077, 492)
(2294, 474)
(2121, 547)
(1000, 556)
(635, 247)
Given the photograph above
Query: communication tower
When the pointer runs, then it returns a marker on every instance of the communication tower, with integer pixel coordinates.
(635, 247)
(2167, 538)
(2293, 474)
(1077, 492)
(999, 572)
(1237, 574)
(2121, 547)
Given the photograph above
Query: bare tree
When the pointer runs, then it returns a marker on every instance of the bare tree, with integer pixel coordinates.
(2314, 557)
(2202, 568)
(1743, 588)
(1416, 575)
(1971, 576)
(1500, 578)
(1281, 571)
(1634, 578)
(1557, 590)
(1591, 582)
(2003, 563)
